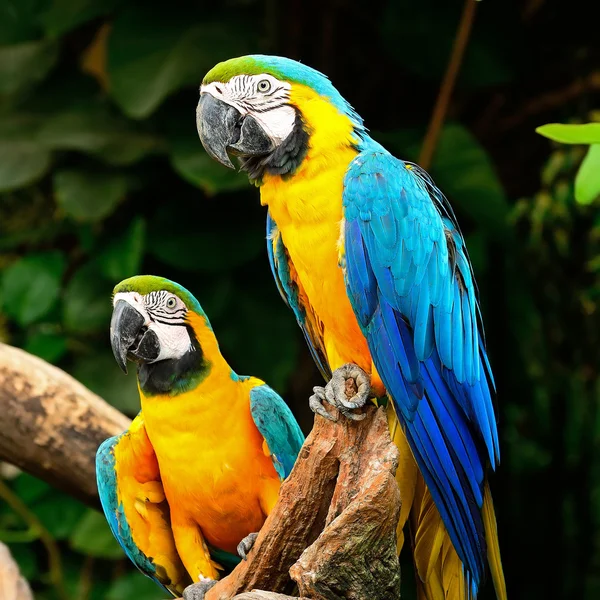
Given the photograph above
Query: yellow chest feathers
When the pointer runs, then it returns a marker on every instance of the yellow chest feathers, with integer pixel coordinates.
(313, 194)
(307, 208)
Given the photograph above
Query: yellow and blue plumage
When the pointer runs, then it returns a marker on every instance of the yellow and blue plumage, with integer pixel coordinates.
(200, 468)
(366, 251)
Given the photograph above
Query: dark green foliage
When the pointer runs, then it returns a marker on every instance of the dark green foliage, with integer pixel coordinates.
(102, 176)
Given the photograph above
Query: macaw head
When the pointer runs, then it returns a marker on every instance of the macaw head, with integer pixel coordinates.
(159, 325)
(268, 111)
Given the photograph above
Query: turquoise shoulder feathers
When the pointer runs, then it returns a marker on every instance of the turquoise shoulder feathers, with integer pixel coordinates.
(278, 427)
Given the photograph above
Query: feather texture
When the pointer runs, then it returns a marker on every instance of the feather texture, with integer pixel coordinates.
(277, 425)
(134, 504)
(401, 241)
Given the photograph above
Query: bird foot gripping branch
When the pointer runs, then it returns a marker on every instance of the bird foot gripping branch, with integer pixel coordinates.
(348, 389)
(332, 532)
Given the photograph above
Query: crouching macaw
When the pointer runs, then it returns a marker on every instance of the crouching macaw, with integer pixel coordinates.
(366, 251)
(188, 485)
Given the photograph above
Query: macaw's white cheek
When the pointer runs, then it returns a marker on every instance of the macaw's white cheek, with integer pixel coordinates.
(277, 122)
(174, 340)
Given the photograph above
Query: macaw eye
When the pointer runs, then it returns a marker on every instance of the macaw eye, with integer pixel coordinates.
(171, 302)
(264, 85)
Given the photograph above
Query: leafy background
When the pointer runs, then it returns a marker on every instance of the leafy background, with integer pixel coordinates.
(102, 176)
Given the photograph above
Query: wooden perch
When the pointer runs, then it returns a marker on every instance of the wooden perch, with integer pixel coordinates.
(51, 425)
(331, 535)
(334, 526)
(12, 584)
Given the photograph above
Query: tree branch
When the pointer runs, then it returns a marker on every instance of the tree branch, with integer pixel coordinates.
(335, 522)
(443, 99)
(51, 424)
(12, 584)
(331, 534)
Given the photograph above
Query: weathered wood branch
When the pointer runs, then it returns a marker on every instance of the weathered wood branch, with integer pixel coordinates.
(51, 425)
(332, 534)
(12, 584)
(334, 526)
(262, 595)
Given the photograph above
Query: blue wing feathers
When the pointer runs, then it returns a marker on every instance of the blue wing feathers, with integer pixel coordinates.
(277, 425)
(410, 283)
(106, 479)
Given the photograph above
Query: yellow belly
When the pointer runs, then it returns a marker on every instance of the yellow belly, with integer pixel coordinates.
(213, 467)
(308, 212)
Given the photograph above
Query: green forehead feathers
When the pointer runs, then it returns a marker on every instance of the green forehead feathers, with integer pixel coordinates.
(145, 284)
(284, 69)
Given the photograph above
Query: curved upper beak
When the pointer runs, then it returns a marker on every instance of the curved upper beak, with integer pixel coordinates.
(222, 129)
(130, 338)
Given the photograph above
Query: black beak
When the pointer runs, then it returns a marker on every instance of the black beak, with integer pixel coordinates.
(222, 128)
(129, 337)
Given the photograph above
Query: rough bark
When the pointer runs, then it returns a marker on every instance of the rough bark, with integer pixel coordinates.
(261, 595)
(335, 522)
(331, 534)
(51, 425)
(12, 584)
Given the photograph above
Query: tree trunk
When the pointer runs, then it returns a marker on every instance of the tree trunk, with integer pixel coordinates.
(331, 535)
(12, 584)
(51, 425)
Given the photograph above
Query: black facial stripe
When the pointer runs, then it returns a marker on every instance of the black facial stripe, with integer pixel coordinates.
(286, 157)
(167, 321)
(172, 375)
(267, 108)
(155, 303)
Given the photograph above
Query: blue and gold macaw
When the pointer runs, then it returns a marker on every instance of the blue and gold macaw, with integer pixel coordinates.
(188, 485)
(366, 251)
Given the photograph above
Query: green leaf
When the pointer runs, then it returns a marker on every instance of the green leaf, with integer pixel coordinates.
(92, 128)
(191, 161)
(64, 15)
(59, 513)
(89, 196)
(571, 134)
(123, 256)
(30, 488)
(465, 173)
(23, 65)
(25, 557)
(587, 180)
(87, 306)
(30, 286)
(18, 20)
(134, 585)
(153, 52)
(47, 344)
(100, 373)
(21, 165)
(93, 537)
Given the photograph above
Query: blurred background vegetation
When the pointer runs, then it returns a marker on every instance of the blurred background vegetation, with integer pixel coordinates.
(102, 177)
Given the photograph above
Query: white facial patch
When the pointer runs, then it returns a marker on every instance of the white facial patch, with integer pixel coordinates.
(174, 340)
(167, 322)
(262, 96)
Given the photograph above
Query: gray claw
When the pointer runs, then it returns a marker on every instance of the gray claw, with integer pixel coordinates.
(246, 545)
(335, 390)
(315, 402)
(197, 591)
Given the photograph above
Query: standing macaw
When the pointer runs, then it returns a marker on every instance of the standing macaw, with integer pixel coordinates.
(366, 251)
(188, 485)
